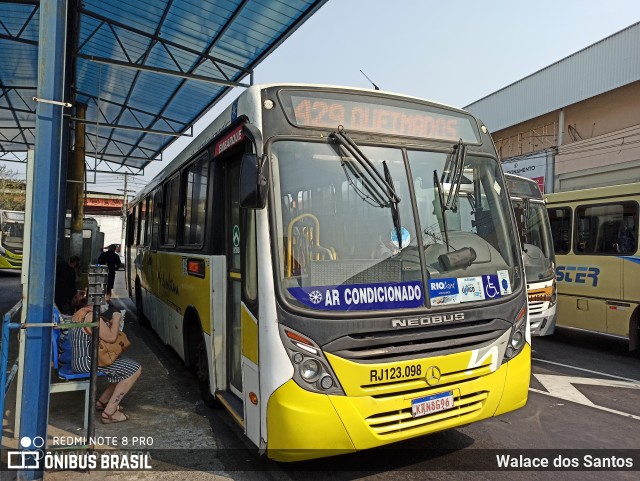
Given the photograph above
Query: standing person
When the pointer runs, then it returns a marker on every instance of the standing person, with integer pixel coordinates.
(67, 296)
(122, 374)
(112, 261)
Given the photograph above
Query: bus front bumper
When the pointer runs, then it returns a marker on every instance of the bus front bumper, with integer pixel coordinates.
(544, 322)
(305, 425)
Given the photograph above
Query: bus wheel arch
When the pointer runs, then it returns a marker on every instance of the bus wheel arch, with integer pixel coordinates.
(195, 354)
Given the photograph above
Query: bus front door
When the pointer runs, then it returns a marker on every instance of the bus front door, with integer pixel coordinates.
(234, 276)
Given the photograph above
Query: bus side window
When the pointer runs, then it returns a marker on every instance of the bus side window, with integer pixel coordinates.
(628, 236)
(157, 210)
(608, 236)
(607, 228)
(585, 237)
(560, 220)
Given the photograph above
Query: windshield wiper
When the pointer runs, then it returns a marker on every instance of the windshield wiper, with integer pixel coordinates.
(452, 174)
(379, 183)
(441, 207)
(395, 212)
(460, 258)
(380, 189)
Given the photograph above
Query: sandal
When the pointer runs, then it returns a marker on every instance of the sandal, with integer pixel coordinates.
(107, 418)
(100, 406)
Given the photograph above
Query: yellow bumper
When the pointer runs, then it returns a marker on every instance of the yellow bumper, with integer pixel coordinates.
(304, 425)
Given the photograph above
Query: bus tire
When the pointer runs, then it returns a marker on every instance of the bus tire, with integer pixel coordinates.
(142, 320)
(634, 332)
(202, 374)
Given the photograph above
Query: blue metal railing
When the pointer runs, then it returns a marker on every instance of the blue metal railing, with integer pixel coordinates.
(5, 383)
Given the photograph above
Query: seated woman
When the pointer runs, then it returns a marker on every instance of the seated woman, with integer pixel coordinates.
(122, 374)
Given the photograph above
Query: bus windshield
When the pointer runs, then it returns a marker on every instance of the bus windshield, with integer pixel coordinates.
(12, 226)
(538, 244)
(343, 245)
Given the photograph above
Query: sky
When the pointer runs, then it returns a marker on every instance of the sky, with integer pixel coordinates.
(454, 52)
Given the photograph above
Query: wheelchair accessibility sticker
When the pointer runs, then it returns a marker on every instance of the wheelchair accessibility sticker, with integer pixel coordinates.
(491, 286)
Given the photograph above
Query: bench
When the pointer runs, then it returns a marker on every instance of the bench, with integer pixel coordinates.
(61, 358)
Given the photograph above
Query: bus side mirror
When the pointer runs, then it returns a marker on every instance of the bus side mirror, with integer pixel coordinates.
(254, 182)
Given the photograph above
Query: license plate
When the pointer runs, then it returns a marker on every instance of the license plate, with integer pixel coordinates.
(431, 404)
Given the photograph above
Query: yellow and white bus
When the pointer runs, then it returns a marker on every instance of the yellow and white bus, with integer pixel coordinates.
(595, 238)
(537, 251)
(11, 239)
(307, 256)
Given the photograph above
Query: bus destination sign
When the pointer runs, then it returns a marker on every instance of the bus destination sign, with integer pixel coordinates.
(378, 115)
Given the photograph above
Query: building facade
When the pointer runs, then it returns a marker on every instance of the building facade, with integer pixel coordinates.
(576, 123)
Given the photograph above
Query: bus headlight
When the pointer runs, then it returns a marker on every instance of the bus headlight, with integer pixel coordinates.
(311, 370)
(554, 295)
(517, 339)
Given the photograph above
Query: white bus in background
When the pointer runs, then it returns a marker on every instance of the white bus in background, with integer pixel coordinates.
(537, 247)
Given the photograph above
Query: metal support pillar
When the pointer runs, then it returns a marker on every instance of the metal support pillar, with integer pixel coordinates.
(44, 223)
(75, 187)
(63, 188)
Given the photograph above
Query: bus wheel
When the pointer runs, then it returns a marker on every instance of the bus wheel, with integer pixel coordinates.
(142, 320)
(203, 375)
(634, 332)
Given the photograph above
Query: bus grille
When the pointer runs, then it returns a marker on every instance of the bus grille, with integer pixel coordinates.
(395, 421)
(417, 342)
(536, 307)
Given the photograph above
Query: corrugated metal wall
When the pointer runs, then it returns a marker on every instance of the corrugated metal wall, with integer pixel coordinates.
(603, 66)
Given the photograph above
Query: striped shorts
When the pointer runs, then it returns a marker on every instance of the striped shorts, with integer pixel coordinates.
(121, 369)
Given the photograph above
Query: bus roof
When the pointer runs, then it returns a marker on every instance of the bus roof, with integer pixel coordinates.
(361, 90)
(595, 193)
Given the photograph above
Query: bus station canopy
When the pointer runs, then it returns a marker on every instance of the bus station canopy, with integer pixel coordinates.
(146, 70)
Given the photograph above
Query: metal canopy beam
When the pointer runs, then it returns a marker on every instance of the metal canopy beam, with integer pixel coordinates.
(18, 37)
(132, 87)
(124, 107)
(185, 43)
(175, 73)
(156, 39)
(14, 112)
(209, 48)
(135, 129)
(119, 170)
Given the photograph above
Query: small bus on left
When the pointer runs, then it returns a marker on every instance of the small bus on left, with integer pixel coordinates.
(11, 238)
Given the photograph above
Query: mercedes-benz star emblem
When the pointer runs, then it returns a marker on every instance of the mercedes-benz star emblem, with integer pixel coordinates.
(433, 376)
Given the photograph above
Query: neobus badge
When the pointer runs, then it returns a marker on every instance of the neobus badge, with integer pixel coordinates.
(427, 321)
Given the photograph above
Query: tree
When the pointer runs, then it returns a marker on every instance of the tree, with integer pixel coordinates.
(12, 192)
